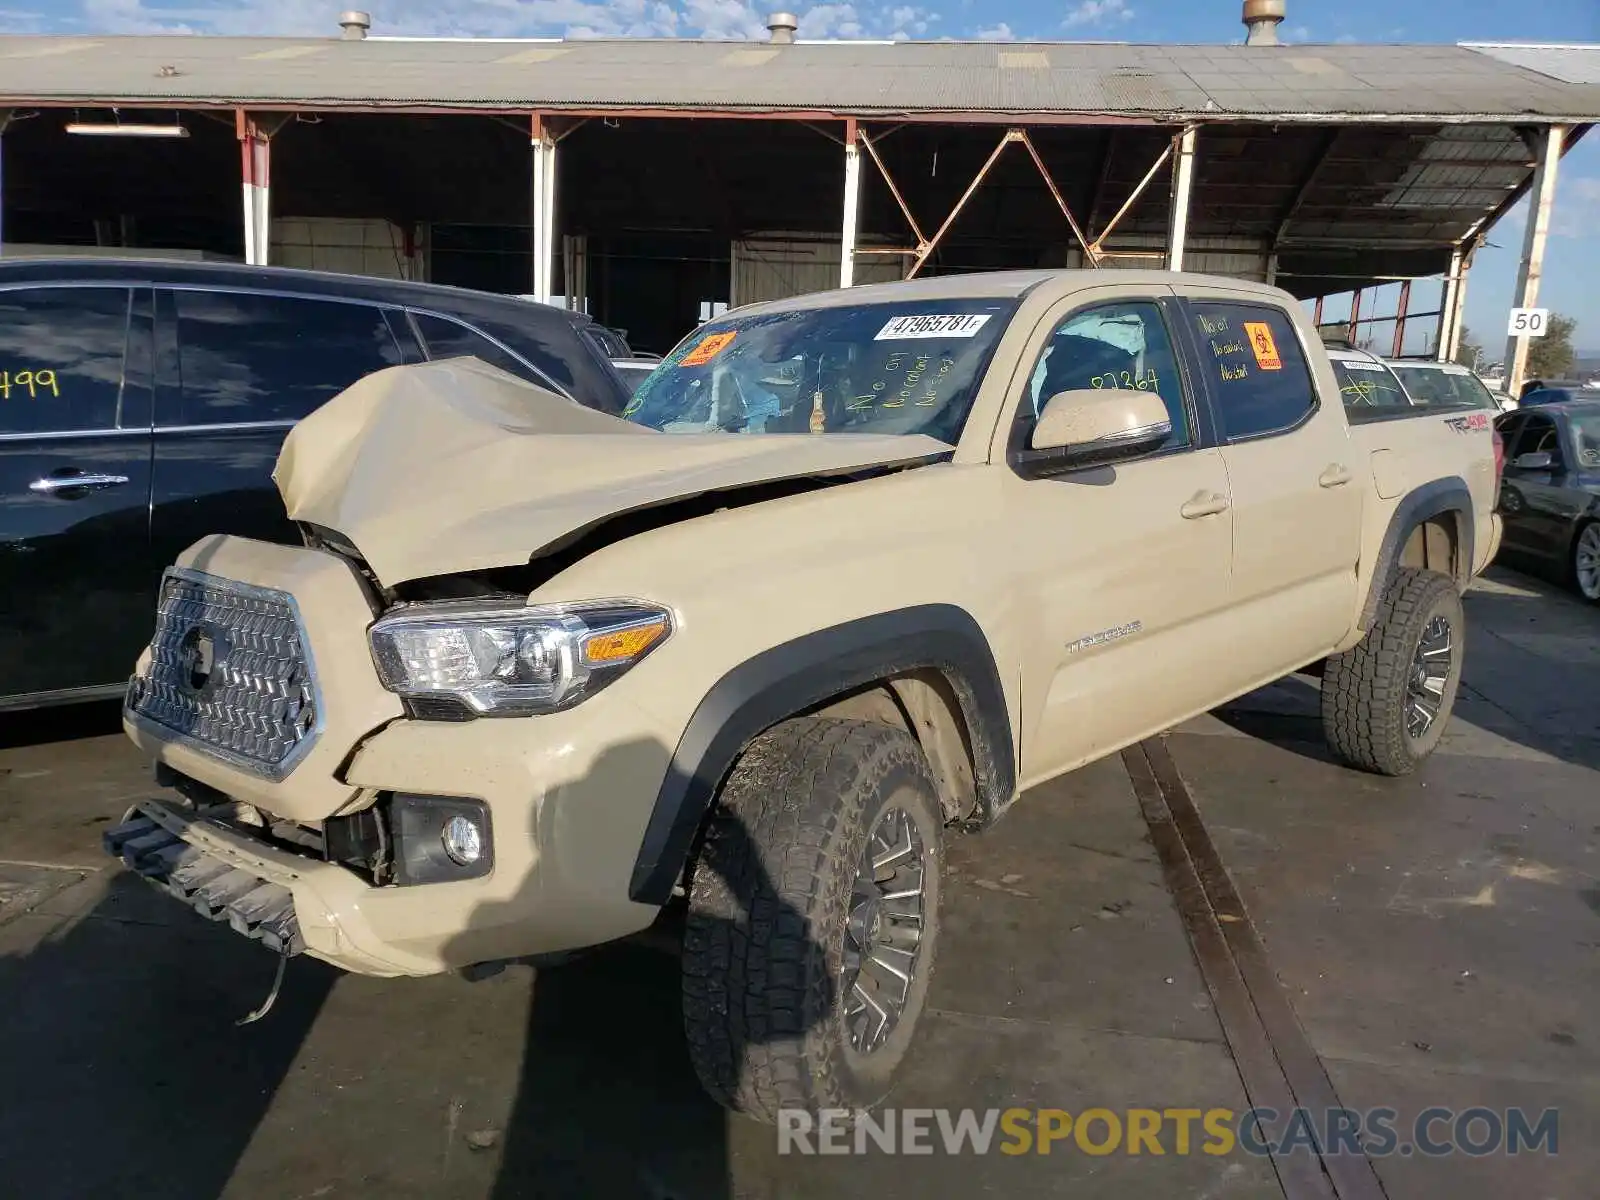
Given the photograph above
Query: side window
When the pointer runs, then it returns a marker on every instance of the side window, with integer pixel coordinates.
(1538, 435)
(1112, 346)
(1368, 389)
(447, 339)
(246, 356)
(61, 358)
(1259, 376)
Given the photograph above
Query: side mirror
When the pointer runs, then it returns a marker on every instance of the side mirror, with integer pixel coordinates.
(1095, 426)
(1538, 460)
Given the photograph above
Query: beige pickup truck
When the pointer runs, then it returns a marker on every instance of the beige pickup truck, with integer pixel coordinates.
(852, 573)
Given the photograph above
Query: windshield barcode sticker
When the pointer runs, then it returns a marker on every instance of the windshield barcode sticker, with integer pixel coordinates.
(933, 325)
(1355, 364)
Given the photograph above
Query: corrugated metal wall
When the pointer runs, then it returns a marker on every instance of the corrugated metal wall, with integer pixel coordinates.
(774, 268)
(352, 246)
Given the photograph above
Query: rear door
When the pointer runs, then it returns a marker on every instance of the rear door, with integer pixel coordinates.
(1297, 487)
(236, 370)
(76, 570)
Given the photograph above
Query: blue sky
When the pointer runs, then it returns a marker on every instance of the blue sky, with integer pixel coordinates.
(1574, 256)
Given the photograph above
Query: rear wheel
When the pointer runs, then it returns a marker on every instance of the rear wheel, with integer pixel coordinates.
(1586, 562)
(1386, 700)
(813, 914)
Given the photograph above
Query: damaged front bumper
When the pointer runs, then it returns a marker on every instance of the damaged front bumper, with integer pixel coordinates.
(150, 842)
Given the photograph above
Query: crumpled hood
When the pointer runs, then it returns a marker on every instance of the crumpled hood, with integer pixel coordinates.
(454, 466)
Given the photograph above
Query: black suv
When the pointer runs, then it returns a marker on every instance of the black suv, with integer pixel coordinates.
(143, 405)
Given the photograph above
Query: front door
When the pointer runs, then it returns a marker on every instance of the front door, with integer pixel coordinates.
(1297, 483)
(1538, 503)
(76, 573)
(1121, 568)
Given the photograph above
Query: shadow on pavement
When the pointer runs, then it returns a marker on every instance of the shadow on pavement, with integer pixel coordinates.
(60, 723)
(1286, 714)
(125, 1076)
(608, 1103)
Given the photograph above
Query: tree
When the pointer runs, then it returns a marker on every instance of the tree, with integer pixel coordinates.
(1551, 356)
(1468, 352)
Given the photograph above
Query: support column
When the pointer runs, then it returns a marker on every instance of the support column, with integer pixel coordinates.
(255, 150)
(1444, 350)
(1458, 313)
(1541, 201)
(1182, 184)
(1403, 307)
(852, 206)
(544, 210)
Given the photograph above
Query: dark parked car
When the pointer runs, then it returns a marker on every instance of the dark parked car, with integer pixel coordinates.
(1550, 491)
(143, 405)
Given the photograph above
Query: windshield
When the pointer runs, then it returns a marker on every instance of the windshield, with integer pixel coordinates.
(1447, 386)
(900, 368)
(1368, 389)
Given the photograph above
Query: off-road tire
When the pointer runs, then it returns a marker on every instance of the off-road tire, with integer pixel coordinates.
(1364, 689)
(768, 902)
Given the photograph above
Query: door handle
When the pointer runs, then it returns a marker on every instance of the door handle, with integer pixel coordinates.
(62, 483)
(1336, 475)
(1204, 504)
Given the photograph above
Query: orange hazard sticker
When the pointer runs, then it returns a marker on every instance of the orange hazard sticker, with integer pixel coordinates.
(1266, 350)
(707, 349)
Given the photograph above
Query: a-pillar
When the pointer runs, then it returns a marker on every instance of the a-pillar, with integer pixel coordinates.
(852, 206)
(543, 144)
(1541, 202)
(1182, 185)
(255, 151)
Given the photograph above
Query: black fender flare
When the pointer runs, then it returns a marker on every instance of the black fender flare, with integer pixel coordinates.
(798, 675)
(1448, 495)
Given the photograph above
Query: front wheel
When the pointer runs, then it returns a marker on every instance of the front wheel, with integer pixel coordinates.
(1386, 700)
(813, 913)
(1586, 562)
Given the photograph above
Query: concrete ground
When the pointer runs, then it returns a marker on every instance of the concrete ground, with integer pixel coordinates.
(1439, 938)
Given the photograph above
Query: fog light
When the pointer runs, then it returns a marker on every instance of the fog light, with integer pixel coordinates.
(463, 840)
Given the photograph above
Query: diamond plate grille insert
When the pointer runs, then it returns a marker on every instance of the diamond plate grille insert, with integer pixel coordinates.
(229, 672)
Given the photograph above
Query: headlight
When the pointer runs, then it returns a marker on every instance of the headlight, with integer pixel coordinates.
(503, 661)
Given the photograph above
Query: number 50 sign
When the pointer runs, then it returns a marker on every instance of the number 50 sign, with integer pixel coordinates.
(1528, 322)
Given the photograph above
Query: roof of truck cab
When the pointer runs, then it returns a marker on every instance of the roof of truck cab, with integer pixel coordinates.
(1003, 285)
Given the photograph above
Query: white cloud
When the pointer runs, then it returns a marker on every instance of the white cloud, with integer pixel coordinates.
(508, 18)
(1000, 33)
(1097, 13)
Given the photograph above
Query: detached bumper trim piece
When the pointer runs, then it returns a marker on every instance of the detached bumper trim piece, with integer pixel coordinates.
(217, 890)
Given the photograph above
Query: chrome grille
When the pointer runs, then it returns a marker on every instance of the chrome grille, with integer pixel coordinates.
(229, 673)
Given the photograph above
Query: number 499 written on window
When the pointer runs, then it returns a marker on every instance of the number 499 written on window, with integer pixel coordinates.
(30, 383)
